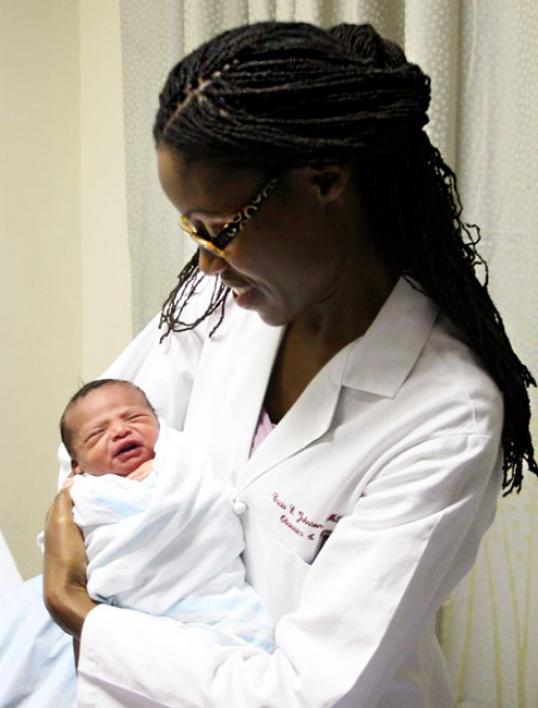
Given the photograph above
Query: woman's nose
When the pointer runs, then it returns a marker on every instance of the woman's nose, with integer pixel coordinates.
(210, 263)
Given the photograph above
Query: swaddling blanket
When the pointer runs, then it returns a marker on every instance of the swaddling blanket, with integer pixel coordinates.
(170, 544)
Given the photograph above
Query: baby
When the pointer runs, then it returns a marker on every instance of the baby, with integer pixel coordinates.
(160, 532)
(110, 427)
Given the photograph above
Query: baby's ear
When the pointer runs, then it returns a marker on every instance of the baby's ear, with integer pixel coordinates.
(75, 467)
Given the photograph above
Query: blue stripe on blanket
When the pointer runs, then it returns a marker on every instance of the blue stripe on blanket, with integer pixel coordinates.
(239, 612)
(134, 502)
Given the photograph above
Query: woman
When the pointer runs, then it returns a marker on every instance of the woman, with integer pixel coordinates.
(343, 325)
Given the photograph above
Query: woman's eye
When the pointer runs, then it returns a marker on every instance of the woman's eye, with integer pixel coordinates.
(210, 231)
(201, 230)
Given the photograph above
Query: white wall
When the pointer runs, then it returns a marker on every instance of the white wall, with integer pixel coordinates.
(64, 266)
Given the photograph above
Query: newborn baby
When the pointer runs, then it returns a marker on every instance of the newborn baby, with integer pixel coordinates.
(110, 427)
(160, 532)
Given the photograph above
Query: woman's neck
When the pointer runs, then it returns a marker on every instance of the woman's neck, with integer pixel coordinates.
(312, 339)
(350, 307)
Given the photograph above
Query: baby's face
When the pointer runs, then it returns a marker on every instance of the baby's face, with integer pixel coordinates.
(112, 431)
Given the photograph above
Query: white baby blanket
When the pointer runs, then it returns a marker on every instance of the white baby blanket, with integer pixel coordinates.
(170, 544)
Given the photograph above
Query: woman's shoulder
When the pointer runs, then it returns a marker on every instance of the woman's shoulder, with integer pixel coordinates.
(460, 377)
(418, 370)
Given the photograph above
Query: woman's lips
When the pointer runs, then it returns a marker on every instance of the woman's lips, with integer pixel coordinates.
(243, 293)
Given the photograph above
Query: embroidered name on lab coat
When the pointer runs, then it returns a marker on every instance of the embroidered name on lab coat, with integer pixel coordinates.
(297, 521)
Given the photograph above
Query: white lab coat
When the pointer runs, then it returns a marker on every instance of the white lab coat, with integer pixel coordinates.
(361, 511)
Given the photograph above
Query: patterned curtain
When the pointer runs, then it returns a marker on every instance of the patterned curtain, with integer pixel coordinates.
(482, 57)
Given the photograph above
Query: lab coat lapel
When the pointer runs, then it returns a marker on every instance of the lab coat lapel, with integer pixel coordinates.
(245, 401)
(308, 419)
(228, 396)
(366, 364)
(229, 389)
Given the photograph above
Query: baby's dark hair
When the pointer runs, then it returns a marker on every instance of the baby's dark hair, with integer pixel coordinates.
(275, 96)
(83, 391)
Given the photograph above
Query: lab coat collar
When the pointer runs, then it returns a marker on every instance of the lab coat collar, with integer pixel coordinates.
(380, 361)
(307, 420)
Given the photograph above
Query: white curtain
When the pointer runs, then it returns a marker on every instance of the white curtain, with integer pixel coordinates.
(482, 57)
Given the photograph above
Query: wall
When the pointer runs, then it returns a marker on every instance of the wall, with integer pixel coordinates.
(106, 290)
(64, 284)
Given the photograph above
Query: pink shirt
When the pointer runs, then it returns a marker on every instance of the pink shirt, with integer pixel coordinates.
(263, 428)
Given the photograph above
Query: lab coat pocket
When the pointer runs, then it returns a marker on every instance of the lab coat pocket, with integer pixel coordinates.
(287, 573)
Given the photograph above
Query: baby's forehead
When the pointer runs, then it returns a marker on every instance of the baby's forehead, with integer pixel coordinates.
(101, 400)
(122, 390)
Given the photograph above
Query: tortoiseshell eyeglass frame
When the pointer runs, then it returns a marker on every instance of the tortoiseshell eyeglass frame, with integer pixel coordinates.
(217, 244)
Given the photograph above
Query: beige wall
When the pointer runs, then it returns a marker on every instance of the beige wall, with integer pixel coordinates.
(106, 290)
(64, 280)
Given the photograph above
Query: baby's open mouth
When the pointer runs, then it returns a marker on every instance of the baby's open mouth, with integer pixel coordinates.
(126, 448)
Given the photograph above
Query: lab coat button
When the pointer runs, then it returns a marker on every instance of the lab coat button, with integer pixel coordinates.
(239, 507)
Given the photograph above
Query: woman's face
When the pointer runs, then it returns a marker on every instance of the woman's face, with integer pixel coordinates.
(288, 260)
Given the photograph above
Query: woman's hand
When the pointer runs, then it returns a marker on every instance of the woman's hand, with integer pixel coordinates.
(64, 581)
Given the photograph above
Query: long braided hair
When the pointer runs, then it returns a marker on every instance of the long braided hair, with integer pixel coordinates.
(274, 96)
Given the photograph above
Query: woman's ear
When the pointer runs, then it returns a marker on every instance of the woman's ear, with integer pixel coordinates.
(329, 180)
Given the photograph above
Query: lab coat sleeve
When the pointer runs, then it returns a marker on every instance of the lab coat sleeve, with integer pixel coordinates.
(368, 596)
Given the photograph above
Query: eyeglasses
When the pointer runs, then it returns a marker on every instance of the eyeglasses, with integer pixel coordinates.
(217, 244)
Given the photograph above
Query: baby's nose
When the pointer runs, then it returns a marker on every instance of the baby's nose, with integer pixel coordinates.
(120, 429)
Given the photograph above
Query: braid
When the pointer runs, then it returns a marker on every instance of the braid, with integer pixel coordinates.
(290, 89)
(187, 285)
(282, 95)
(423, 236)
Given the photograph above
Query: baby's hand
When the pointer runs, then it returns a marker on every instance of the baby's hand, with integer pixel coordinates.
(141, 472)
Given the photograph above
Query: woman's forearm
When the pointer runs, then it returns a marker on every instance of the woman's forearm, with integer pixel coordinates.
(69, 607)
(64, 584)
